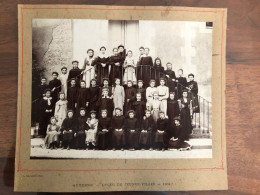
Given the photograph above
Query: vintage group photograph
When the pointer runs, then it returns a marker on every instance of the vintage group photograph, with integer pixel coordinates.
(121, 89)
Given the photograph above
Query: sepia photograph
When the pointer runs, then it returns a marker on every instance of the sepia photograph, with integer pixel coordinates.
(121, 89)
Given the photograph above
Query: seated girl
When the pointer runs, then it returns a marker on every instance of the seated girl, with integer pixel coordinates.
(53, 131)
(91, 130)
(177, 142)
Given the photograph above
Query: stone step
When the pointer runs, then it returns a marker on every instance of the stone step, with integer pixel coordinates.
(197, 143)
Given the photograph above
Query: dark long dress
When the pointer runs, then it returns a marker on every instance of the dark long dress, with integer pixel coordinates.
(193, 95)
(118, 137)
(67, 136)
(145, 71)
(143, 93)
(55, 94)
(106, 103)
(75, 73)
(116, 70)
(94, 94)
(170, 83)
(146, 137)
(80, 130)
(173, 110)
(180, 143)
(83, 97)
(186, 117)
(104, 138)
(36, 100)
(132, 137)
(157, 73)
(182, 84)
(139, 108)
(102, 72)
(72, 98)
(130, 93)
(161, 139)
(45, 113)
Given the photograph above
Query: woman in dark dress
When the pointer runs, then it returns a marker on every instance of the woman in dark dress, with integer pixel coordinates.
(193, 93)
(157, 71)
(102, 65)
(72, 95)
(171, 78)
(46, 112)
(115, 62)
(94, 91)
(147, 130)
(80, 130)
(185, 105)
(55, 86)
(104, 130)
(178, 141)
(68, 129)
(75, 73)
(132, 130)
(161, 138)
(181, 83)
(118, 130)
(83, 97)
(145, 71)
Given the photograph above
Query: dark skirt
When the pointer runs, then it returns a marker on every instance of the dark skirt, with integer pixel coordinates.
(67, 136)
(145, 138)
(118, 138)
(43, 123)
(132, 139)
(80, 140)
(160, 138)
(102, 140)
(186, 122)
(178, 144)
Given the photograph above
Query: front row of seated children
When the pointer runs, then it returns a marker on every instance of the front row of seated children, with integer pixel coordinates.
(117, 133)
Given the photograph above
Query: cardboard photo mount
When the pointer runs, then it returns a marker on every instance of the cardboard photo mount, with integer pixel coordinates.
(82, 175)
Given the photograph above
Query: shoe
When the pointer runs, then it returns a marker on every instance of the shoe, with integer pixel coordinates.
(68, 148)
(122, 149)
(114, 149)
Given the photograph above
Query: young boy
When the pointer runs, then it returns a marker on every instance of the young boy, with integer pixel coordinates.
(118, 130)
(130, 94)
(129, 67)
(68, 129)
(94, 91)
(46, 112)
(150, 92)
(162, 127)
(145, 72)
(42, 87)
(64, 79)
(91, 130)
(83, 97)
(192, 86)
(80, 135)
(104, 128)
(72, 95)
(170, 74)
(106, 86)
(118, 95)
(181, 83)
(61, 109)
(75, 73)
(141, 89)
(163, 92)
(178, 140)
(132, 130)
(105, 102)
(139, 107)
(155, 105)
(55, 86)
(147, 128)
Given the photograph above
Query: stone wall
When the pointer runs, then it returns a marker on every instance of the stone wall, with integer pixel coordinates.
(52, 45)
